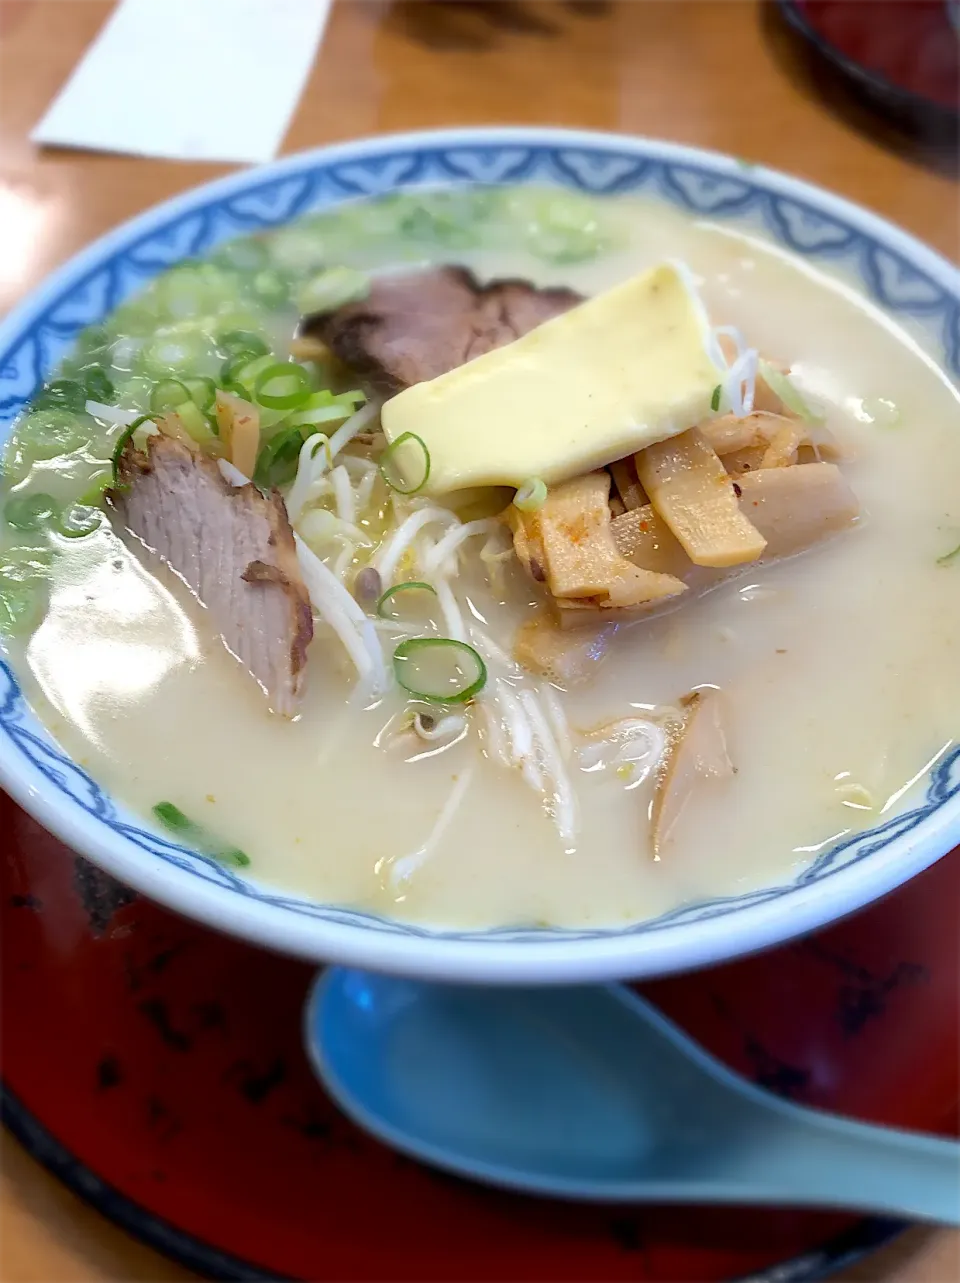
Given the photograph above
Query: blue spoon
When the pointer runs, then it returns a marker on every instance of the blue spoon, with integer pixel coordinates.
(589, 1093)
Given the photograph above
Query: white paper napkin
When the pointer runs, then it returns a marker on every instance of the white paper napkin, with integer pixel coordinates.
(190, 79)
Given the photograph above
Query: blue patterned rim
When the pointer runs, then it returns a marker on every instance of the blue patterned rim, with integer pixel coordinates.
(896, 272)
(212, 1263)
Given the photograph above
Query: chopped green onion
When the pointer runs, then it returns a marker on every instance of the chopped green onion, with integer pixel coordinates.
(531, 495)
(715, 399)
(45, 434)
(246, 255)
(270, 288)
(184, 291)
(390, 596)
(282, 386)
(331, 289)
(203, 392)
(172, 818)
(396, 477)
(195, 422)
(783, 387)
(98, 385)
(80, 519)
(94, 339)
(21, 607)
(30, 511)
(239, 374)
(167, 395)
(562, 227)
(948, 557)
(177, 353)
(439, 669)
(331, 413)
(277, 461)
(125, 436)
(242, 343)
(61, 394)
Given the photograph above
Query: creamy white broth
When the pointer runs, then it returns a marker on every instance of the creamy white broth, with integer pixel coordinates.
(837, 666)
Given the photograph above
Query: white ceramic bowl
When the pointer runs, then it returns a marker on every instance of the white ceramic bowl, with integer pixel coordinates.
(897, 272)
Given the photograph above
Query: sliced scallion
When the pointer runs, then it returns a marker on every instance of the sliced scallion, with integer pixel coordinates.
(195, 422)
(439, 669)
(125, 436)
(277, 461)
(203, 392)
(240, 373)
(715, 399)
(61, 394)
(176, 354)
(168, 394)
(412, 477)
(782, 385)
(172, 818)
(531, 495)
(245, 255)
(270, 288)
(324, 407)
(80, 519)
(30, 511)
(98, 385)
(282, 386)
(242, 343)
(389, 599)
(332, 288)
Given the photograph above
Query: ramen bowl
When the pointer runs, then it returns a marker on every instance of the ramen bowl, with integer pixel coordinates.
(905, 282)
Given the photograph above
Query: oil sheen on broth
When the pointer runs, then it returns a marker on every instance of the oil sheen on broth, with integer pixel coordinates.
(836, 667)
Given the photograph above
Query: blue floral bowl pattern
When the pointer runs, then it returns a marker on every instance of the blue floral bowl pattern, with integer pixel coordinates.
(896, 272)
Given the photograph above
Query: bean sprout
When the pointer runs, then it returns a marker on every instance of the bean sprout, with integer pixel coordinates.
(452, 619)
(311, 465)
(231, 473)
(401, 869)
(111, 413)
(452, 540)
(354, 425)
(564, 807)
(451, 727)
(336, 607)
(365, 489)
(343, 495)
(558, 720)
(519, 734)
(388, 555)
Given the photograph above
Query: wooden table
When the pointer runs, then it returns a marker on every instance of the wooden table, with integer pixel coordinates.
(719, 73)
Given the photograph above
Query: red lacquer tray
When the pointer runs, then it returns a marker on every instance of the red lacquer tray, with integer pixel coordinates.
(156, 1068)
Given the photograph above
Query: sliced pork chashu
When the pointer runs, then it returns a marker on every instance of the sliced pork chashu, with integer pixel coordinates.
(414, 326)
(233, 547)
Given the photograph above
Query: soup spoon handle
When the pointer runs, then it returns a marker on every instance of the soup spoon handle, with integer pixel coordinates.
(806, 1157)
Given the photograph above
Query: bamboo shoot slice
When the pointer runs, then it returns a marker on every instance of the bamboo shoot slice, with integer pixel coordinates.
(791, 507)
(628, 487)
(782, 450)
(699, 753)
(795, 507)
(692, 491)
